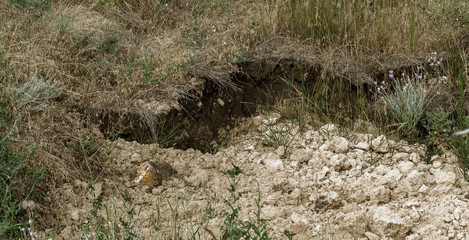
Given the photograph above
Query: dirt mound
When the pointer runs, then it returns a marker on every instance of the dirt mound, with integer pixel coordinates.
(325, 183)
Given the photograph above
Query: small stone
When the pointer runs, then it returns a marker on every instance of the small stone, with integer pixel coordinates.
(414, 216)
(414, 180)
(405, 166)
(414, 236)
(270, 212)
(381, 170)
(294, 164)
(381, 219)
(74, 215)
(28, 205)
(339, 144)
(363, 146)
(436, 164)
(451, 233)
(220, 102)
(298, 218)
(371, 236)
(457, 213)
(380, 144)
(444, 177)
(300, 155)
(380, 195)
(280, 150)
(249, 148)
(391, 177)
(151, 174)
(147, 175)
(135, 158)
(400, 156)
(273, 165)
(328, 201)
(271, 119)
(336, 160)
(423, 188)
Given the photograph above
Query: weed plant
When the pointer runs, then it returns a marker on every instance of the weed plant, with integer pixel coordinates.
(438, 125)
(97, 227)
(407, 100)
(36, 93)
(17, 179)
(233, 228)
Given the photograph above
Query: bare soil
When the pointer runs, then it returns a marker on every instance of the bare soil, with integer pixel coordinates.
(328, 183)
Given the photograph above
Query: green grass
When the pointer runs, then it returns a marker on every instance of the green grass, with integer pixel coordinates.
(18, 179)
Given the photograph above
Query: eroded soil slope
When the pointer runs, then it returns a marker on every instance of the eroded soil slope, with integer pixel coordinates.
(327, 183)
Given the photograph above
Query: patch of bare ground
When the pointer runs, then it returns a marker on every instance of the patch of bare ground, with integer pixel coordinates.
(349, 186)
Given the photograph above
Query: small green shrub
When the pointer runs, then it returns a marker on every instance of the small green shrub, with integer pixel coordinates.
(438, 125)
(35, 93)
(407, 100)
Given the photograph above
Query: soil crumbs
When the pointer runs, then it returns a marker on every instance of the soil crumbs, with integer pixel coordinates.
(324, 185)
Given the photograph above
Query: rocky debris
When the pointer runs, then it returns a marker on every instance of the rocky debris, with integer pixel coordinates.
(387, 223)
(365, 187)
(380, 144)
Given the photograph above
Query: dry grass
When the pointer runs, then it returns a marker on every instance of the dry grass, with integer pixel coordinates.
(109, 56)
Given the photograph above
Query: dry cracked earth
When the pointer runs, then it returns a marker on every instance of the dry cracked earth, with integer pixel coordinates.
(327, 184)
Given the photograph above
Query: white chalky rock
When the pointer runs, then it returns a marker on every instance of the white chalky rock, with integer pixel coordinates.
(414, 180)
(339, 144)
(363, 146)
(270, 212)
(325, 146)
(336, 160)
(273, 165)
(382, 169)
(280, 151)
(249, 148)
(436, 164)
(371, 236)
(380, 144)
(392, 177)
(423, 188)
(300, 155)
(444, 177)
(380, 195)
(400, 156)
(405, 166)
(298, 218)
(386, 222)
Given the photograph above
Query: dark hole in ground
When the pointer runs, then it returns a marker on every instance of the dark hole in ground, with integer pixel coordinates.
(216, 107)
